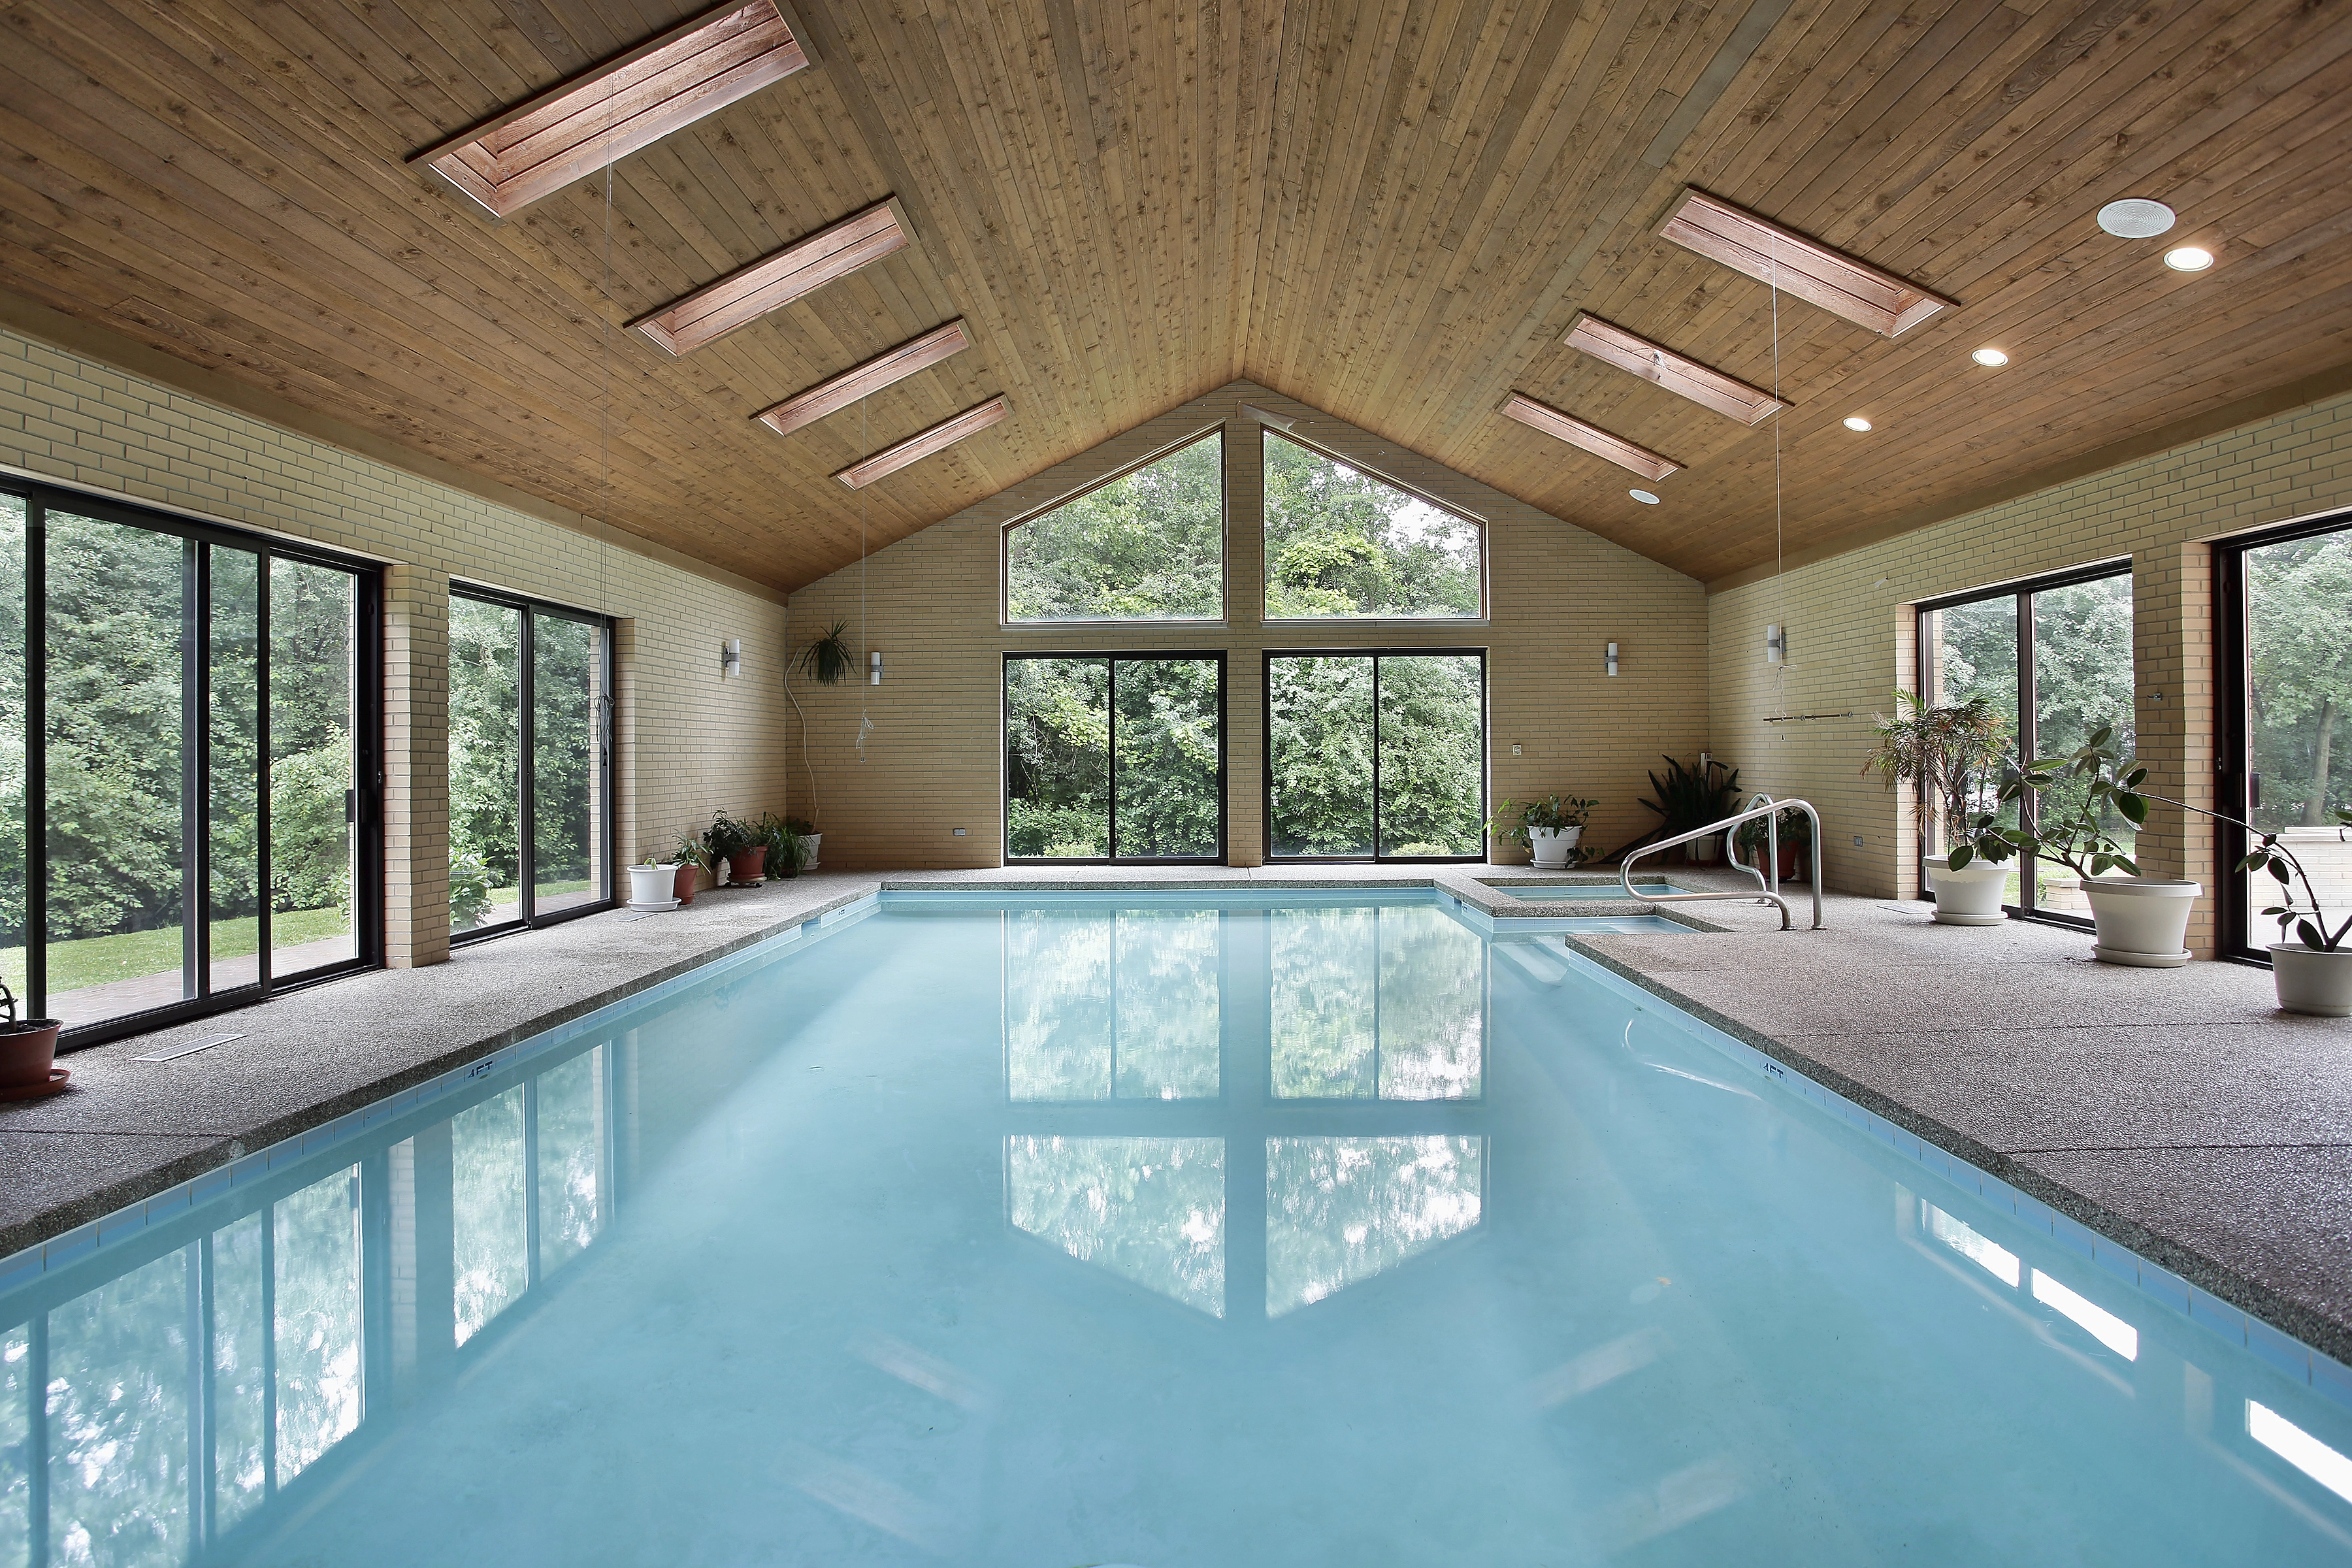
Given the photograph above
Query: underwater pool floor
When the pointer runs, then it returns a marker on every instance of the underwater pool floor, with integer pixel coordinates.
(1225, 1231)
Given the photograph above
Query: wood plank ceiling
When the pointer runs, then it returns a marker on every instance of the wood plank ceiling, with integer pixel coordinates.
(1391, 212)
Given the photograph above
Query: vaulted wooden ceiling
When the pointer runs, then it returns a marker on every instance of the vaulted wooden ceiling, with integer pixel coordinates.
(1391, 212)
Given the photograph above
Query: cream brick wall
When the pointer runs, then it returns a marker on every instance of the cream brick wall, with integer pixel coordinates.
(688, 742)
(933, 760)
(1850, 623)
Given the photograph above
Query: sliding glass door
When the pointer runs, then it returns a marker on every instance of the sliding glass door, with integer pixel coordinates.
(2286, 607)
(530, 763)
(1115, 757)
(1376, 756)
(187, 760)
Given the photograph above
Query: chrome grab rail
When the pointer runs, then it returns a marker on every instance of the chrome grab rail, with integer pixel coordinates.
(1769, 887)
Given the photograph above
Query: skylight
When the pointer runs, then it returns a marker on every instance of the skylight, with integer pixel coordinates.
(632, 103)
(1805, 268)
(1565, 427)
(1654, 362)
(883, 369)
(775, 281)
(921, 445)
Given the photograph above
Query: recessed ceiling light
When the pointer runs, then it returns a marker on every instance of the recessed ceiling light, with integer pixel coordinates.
(2135, 218)
(2188, 259)
(1990, 357)
(1645, 496)
(1857, 422)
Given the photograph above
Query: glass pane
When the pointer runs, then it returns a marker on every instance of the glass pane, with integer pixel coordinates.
(1150, 1210)
(1326, 1007)
(313, 768)
(567, 793)
(1321, 721)
(1432, 1007)
(484, 763)
(1056, 758)
(316, 1333)
(1340, 542)
(1433, 755)
(118, 1418)
(115, 823)
(1149, 546)
(488, 1221)
(571, 1139)
(1340, 1210)
(234, 790)
(2082, 679)
(1168, 778)
(1973, 653)
(12, 751)
(240, 1373)
(2299, 683)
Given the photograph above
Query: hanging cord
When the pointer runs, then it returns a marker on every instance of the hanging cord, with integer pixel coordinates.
(604, 463)
(1779, 586)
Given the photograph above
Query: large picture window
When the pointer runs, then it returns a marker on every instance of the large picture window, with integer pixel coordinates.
(2055, 658)
(1114, 756)
(530, 763)
(2287, 605)
(1342, 543)
(188, 763)
(1146, 546)
(1376, 756)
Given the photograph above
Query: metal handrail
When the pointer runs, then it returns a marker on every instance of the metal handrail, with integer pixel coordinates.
(1770, 892)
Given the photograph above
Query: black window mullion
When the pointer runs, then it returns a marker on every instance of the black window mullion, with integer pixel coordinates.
(526, 825)
(36, 760)
(2028, 747)
(265, 879)
(196, 772)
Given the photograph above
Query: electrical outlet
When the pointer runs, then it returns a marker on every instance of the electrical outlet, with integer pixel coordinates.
(1857, 841)
(958, 833)
(1516, 750)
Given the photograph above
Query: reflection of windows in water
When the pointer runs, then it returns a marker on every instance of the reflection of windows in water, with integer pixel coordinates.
(488, 1221)
(1150, 1210)
(1121, 1005)
(1377, 1004)
(1340, 1210)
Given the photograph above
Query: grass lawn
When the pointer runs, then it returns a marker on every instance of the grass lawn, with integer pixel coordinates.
(94, 961)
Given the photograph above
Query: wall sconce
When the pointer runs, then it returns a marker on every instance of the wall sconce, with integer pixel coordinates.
(874, 668)
(1611, 660)
(730, 657)
(1776, 644)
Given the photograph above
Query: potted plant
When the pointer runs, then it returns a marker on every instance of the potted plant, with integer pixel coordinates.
(827, 660)
(811, 840)
(784, 845)
(739, 846)
(691, 857)
(1796, 844)
(1947, 750)
(1692, 797)
(28, 1052)
(1550, 827)
(653, 884)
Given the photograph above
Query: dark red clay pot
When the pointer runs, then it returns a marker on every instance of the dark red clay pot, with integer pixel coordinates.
(28, 1052)
(747, 865)
(683, 888)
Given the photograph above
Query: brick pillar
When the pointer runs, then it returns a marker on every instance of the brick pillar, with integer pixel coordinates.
(417, 767)
(1906, 825)
(1245, 666)
(2175, 670)
(634, 837)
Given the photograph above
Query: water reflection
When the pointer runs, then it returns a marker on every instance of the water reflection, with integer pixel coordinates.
(1119, 1006)
(1340, 1210)
(1377, 1004)
(1152, 1210)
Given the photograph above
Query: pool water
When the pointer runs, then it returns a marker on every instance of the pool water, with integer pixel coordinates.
(1580, 892)
(1205, 1232)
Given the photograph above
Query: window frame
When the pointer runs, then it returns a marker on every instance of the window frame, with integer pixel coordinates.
(2021, 592)
(1485, 526)
(197, 832)
(1486, 755)
(1223, 618)
(526, 752)
(2233, 730)
(1110, 753)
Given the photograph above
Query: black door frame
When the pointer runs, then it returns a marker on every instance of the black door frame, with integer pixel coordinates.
(1265, 704)
(1110, 758)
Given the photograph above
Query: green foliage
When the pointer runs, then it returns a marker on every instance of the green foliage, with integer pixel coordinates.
(1513, 821)
(2071, 825)
(486, 741)
(309, 827)
(1429, 741)
(1340, 542)
(1147, 546)
(469, 891)
(1691, 797)
(1059, 773)
(1943, 749)
(2298, 610)
(828, 660)
(2309, 923)
(726, 838)
(1795, 828)
(787, 851)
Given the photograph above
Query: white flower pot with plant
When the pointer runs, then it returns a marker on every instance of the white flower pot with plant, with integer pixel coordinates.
(1945, 752)
(652, 886)
(2312, 973)
(1552, 828)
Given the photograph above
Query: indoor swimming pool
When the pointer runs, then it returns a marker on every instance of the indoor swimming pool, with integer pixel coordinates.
(1173, 1231)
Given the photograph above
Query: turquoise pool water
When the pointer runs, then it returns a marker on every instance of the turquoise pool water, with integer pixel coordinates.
(1201, 1232)
(1580, 891)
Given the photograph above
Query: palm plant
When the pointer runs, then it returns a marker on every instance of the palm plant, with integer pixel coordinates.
(1946, 749)
(1689, 797)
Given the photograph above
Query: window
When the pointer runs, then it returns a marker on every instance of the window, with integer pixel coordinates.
(530, 763)
(1114, 756)
(196, 824)
(1376, 756)
(1342, 543)
(2286, 601)
(1148, 545)
(2054, 657)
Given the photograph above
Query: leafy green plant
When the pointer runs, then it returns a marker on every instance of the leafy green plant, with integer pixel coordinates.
(1514, 821)
(1691, 797)
(1945, 750)
(2310, 925)
(1796, 829)
(785, 845)
(828, 660)
(2076, 833)
(689, 850)
(726, 838)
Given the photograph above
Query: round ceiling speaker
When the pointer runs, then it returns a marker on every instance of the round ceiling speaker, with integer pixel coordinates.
(2135, 218)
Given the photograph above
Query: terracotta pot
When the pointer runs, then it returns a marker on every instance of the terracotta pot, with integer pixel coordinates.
(747, 864)
(27, 1051)
(684, 887)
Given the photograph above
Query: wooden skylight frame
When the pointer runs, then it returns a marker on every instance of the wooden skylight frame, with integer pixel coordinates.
(775, 281)
(1811, 270)
(883, 369)
(1656, 363)
(625, 104)
(923, 443)
(1566, 427)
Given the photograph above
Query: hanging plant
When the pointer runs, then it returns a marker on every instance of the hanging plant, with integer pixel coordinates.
(828, 660)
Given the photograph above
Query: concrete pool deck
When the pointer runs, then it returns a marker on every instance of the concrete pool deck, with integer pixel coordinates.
(2176, 1111)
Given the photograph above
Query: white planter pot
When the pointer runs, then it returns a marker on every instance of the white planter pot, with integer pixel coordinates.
(1552, 845)
(1969, 896)
(809, 843)
(650, 886)
(2143, 921)
(1702, 850)
(2312, 980)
